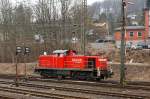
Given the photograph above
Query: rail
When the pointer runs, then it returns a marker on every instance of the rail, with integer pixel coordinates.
(86, 91)
(36, 93)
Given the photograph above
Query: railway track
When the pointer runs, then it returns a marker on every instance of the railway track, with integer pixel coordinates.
(79, 90)
(130, 85)
(92, 83)
(112, 84)
(5, 97)
(114, 94)
(36, 93)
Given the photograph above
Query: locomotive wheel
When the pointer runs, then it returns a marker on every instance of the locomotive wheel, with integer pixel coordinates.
(60, 77)
(102, 77)
(88, 79)
(44, 76)
(98, 79)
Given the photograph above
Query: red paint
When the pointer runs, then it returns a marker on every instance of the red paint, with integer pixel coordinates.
(102, 63)
(71, 61)
(78, 62)
(51, 61)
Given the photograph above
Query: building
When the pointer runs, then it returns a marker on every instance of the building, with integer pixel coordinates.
(135, 34)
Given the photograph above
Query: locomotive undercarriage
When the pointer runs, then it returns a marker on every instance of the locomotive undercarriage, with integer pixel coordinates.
(73, 74)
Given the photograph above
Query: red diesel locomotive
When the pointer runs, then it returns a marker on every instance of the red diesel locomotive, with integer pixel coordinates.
(67, 64)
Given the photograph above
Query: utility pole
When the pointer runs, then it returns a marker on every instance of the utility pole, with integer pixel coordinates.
(43, 24)
(18, 51)
(24, 60)
(84, 24)
(122, 66)
(16, 78)
(64, 21)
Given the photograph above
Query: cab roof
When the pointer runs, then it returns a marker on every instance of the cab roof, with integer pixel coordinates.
(59, 51)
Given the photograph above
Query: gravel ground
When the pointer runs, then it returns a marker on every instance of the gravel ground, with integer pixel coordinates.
(8, 68)
(90, 96)
(19, 96)
(96, 88)
(133, 73)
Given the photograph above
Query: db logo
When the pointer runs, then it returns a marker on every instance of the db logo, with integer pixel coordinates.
(74, 59)
(77, 60)
(102, 59)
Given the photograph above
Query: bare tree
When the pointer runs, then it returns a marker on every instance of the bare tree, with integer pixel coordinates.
(54, 20)
(6, 25)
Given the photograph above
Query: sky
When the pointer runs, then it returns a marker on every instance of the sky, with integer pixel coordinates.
(92, 1)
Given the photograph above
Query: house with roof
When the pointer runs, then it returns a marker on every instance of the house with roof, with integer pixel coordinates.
(135, 34)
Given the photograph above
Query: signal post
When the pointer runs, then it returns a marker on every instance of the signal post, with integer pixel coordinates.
(26, 53)
(18, 51)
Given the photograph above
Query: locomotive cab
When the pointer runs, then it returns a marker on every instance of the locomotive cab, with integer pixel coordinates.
(91, 63)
